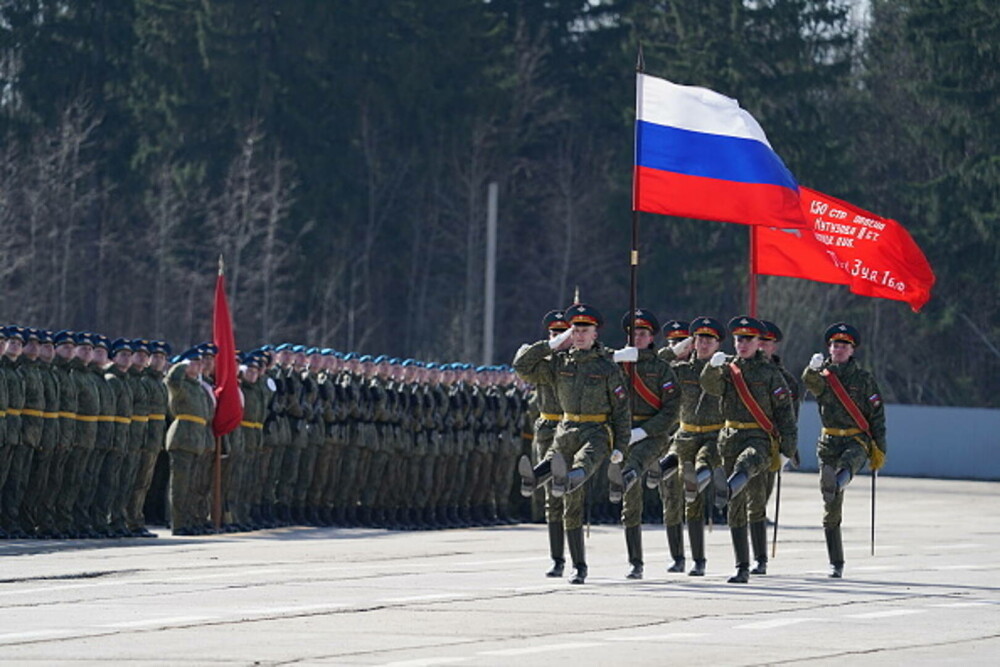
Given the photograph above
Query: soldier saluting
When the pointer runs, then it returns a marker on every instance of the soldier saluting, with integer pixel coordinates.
(853, 417)
(591, 392)
(759, 422)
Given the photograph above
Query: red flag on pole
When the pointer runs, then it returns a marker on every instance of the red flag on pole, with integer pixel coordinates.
(847, 245)
(229, 409)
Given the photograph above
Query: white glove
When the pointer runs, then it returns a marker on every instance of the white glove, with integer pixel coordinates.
(626, 354)
(816, 362)
(616, 456)
(717, 359)
(682, 348)
(637, 435)
(556, 342)
(784, 461)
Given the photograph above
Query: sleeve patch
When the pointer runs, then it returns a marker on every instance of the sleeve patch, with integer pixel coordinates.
(875, 399)
(667, 386)
(620, 392)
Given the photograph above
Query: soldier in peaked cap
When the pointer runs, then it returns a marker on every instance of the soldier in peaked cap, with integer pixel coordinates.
(694, 449)
(592, 394)
(654, 396)
(853, 417)
(761, 487)
(550, 413)
(148, 498)
(64, 458)
(759, 423)
(39, 500)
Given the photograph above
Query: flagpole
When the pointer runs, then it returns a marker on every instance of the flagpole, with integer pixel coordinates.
(217, 464)
(634, 254)
(753, 271)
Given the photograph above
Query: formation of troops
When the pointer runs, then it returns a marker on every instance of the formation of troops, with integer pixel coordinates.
(704, 427)
(325, 438)
(330, 438)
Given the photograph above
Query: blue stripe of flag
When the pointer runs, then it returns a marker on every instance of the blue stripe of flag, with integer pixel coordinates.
(709, 155)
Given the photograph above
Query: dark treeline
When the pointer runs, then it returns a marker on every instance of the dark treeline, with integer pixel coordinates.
(338, 154)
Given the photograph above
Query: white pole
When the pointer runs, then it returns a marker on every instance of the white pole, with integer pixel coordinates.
(491, 272)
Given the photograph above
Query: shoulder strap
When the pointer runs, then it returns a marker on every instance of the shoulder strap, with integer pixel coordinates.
(749, 401)
(644, 392)
(846, 400)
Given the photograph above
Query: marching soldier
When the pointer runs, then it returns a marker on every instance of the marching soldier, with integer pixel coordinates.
(550, 413)
(762, 486)
(759, 423)
(592, 394)
(694, 450)
(853, 417)
(654, 393)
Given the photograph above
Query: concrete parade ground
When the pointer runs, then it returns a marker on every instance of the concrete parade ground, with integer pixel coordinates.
(478, 596)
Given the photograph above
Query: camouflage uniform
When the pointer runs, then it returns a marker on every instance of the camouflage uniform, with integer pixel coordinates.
(189, 437)
(156, 427)
(745, 447)
(658, 423)
(65, 460)
(591, 391)
(842, 445)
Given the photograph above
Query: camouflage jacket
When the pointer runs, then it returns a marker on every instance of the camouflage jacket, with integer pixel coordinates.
(863, 390)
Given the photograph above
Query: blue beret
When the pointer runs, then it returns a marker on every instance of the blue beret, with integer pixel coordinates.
(379, 359)
(328, 352)
(284, 347)
(267, 347)
(350, 356)
(298, 349)
(312, 351)
(365, 358)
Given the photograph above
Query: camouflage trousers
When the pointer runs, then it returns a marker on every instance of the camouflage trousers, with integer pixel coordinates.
(584, 446)
(839, 452)
(545, 435)
(748, 452)
(641, 455)
(696, 450)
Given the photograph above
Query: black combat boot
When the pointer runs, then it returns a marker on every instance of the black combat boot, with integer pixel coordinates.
(633, 543)
(578, 554)
(696, 535)
(556, 549)
(741, 548)
(675, 540)
(835, 550)
(564, 482)
(736, 483)
(758, 537)
(533, 477)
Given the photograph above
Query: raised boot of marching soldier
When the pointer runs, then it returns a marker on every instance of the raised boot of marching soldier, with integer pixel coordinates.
(620, 481)
(662, 470)
(736, 483)
(532, 477)
(565, 480)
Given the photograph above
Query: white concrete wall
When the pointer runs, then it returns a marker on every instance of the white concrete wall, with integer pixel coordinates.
(925, 441)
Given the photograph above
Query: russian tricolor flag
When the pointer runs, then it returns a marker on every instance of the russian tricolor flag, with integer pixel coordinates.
(699, 155)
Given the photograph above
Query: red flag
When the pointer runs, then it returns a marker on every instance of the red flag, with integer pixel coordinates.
(847, 245)
(229, 409)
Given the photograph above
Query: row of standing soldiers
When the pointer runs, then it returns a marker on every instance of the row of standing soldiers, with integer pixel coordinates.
(348, 440)
(326, 438)
(82, 421)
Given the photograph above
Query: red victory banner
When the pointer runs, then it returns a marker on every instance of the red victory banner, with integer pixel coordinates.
(846, 245)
